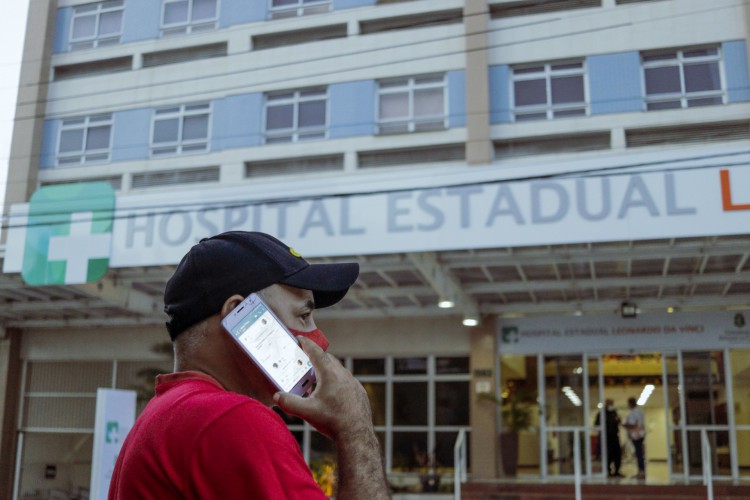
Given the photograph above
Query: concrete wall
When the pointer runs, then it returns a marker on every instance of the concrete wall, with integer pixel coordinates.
(396, 336)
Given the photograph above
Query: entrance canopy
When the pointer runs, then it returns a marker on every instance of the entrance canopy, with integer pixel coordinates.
(688, 274)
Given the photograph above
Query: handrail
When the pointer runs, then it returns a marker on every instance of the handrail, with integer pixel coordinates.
(19, 461)
(708, 427)
(707, 465)
(577, 461)
(459, 463)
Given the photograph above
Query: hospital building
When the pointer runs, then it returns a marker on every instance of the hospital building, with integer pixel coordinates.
(549, 202)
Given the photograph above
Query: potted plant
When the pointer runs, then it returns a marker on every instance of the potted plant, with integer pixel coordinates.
(428, 473)
(516, 407)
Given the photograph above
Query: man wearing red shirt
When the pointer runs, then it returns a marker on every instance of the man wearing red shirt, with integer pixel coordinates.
(209, 432)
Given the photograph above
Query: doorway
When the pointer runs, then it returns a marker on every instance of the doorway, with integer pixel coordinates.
(684, 397)
(699, 398)
(576, 388)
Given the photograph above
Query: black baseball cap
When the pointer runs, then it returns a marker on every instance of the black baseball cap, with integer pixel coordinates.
(240, 262)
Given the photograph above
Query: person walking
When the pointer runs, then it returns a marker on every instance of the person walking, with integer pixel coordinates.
(209, 432)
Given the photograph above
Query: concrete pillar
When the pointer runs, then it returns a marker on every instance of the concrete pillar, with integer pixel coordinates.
(30, 107)
(232, 173)
(476, 25)
(10, 390)
(484, 441)
(617, 138)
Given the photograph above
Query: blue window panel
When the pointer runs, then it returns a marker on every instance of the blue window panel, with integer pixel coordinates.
(141, 20)
(50, 133)
(130, 134)
(736, 70)
(500, 94)
(350, 4)
(233, 12)
(237, 122)
(352, 109)
(615, 83)
(456, 99)
(61, 41)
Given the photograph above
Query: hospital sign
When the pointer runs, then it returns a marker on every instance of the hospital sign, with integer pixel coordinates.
(72, 233)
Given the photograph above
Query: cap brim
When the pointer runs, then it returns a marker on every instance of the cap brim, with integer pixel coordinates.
(328, 282)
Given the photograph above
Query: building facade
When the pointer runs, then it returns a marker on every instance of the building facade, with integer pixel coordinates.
(572, 176)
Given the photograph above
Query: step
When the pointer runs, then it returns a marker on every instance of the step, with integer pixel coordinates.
(531, 491)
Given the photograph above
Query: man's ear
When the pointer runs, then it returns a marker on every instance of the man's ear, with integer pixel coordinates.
(230, 304)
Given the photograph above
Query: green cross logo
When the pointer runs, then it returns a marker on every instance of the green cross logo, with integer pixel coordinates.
(69, 234)
(509, 334)
(112, 433)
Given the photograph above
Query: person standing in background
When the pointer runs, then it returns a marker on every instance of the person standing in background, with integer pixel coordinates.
(612, 433)
(635, 423)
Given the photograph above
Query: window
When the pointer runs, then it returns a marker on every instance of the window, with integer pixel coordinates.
(547, 91)
(412, 104)
(298, 36)
(85, 140)
(188, 16)
(296, 115)
(293, 8)
(184, 54)
(531, 7)
(293, 166)
(91, 68)
(180, 129)
(428, 398)
(419, 404)
(622, 2)
(174, 177)
(683, 78)
(96, 25)
(411, 21)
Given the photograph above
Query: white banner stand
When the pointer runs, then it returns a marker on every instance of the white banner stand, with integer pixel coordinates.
(115, 416)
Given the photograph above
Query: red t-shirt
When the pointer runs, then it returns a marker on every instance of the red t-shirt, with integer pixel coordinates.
(196, 440)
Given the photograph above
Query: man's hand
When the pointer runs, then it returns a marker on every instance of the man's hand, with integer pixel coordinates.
(340, 409)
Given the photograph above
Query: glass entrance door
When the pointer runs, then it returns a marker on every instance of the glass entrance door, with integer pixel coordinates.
(740, 378)
(698, 399)
(566, 385)
(576, 389)
(638, 377)
(682, 394)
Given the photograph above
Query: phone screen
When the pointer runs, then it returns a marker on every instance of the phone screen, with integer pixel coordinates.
(272, 347)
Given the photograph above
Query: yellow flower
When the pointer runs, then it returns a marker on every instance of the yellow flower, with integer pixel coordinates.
(324, 473)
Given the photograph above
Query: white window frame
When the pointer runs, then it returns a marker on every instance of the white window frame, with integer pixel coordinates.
(295, 133)
(548, 72)
(389, 378)
(680, 60)
(188, 26)
(84, 156)
(180, 146)
(300, 8)
(97, 9)
(412, 123)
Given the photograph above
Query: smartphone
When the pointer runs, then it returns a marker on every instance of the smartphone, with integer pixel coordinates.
(270, 345)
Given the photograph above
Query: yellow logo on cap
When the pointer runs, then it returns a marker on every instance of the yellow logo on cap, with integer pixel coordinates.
(294, 252)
